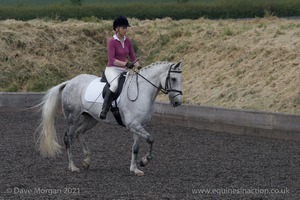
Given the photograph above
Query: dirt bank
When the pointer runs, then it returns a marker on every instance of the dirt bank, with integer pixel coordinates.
(250, 64)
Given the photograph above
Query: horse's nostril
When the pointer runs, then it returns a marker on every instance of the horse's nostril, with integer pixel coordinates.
(176, 104)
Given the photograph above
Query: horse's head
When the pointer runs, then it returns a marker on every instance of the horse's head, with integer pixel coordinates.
(173, 83)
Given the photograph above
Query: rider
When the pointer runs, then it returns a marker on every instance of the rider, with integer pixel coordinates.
(119, 47)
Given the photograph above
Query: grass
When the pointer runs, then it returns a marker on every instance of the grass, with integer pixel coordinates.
(227, 32)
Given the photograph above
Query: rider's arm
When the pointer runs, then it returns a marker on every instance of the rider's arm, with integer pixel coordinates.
(132, 55)
(119, 63)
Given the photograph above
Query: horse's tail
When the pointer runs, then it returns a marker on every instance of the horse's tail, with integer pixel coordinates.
(48, 144)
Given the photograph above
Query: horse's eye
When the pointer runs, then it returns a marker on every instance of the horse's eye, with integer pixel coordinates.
(173, 79)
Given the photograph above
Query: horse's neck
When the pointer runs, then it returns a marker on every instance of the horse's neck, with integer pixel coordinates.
(153, 74)
(139, 95)
(148, 82)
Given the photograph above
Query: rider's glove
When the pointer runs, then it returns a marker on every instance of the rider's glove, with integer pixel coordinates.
(129, 65)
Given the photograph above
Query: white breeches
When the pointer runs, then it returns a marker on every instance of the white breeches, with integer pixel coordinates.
(112, 75)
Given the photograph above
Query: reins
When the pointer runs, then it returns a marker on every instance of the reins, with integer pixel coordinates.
(168, 87)
(160, 89)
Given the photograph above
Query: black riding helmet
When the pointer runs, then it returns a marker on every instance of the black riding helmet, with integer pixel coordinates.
(120, 21)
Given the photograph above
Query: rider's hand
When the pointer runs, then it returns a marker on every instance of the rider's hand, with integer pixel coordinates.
(129, 65)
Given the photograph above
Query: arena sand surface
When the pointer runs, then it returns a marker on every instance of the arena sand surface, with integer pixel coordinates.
(188, 164)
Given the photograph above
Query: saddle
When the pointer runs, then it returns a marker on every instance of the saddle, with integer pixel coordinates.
(114, 109)
(121, 81)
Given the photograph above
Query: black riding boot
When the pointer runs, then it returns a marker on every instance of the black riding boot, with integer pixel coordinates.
(106, 104)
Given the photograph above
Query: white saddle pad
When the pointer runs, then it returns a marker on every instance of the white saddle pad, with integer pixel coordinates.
(93, 92)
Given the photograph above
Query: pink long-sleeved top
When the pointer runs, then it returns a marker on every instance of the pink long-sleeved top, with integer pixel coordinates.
(117, 50)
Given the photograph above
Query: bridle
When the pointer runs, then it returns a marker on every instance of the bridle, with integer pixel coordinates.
(168, 86)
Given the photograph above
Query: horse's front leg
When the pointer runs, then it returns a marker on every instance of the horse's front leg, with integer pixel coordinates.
(138, 130)
(134, 156)
(146, 159)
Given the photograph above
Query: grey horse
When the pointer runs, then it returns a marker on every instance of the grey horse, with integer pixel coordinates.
(136, 107)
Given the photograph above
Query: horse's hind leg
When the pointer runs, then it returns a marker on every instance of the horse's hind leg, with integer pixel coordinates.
(87, 153)
(84, 123)
(68, 139)
(87, 122)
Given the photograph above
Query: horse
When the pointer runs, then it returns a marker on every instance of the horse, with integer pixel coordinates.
(135, 103)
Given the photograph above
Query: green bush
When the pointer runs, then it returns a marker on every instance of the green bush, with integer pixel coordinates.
(188, 10)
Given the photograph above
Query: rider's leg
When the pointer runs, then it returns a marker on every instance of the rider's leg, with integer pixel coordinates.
(112, 74)
(106, 104)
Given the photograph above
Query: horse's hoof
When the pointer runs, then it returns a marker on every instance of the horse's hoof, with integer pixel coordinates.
(86, 165)
(137, 172)
(74, 169)
(144, 161)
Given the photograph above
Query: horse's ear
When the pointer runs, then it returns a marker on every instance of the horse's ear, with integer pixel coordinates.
(179, 65)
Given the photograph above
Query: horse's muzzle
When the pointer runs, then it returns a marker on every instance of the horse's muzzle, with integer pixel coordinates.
(176, 104)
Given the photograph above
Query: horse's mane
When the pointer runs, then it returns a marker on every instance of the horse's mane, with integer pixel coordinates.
(154, 64)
